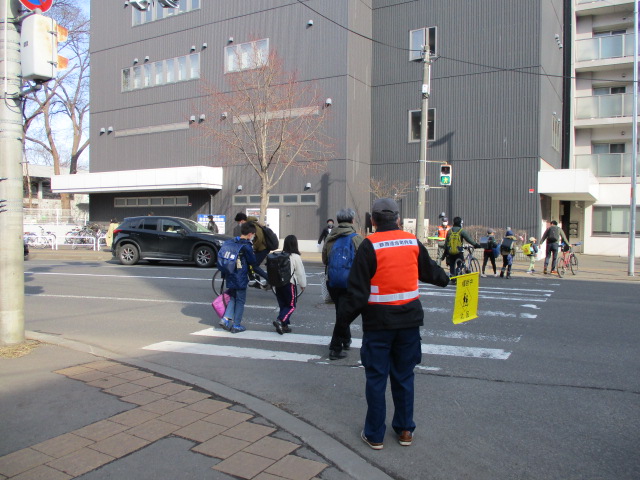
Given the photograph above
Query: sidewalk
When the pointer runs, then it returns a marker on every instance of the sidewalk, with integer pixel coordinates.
(70, 410)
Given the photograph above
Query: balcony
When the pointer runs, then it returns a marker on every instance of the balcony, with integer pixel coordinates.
(602, 7)
(601, 53)
(606, 164)
(592, 111)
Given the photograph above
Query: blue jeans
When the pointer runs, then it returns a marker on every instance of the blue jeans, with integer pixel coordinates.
(235, 308)
(394, 354)
(552, 251)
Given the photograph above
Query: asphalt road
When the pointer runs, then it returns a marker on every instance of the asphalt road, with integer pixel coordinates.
(544, 384)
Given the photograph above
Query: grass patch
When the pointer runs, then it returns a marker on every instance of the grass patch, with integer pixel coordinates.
(19, 349)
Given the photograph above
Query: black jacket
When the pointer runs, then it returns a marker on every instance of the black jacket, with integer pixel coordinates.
(384, 317)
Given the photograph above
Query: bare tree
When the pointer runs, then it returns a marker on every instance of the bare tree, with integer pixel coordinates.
(380, 189)
(56, 117)
(271, 122)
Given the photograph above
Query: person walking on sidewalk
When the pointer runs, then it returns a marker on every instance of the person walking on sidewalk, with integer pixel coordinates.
(287, 295)
(532, 253)
(553, 236)
(383, 288)
(326, 231)
(490, 252)
(338, 263)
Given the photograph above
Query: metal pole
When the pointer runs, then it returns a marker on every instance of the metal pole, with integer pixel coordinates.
(634, 155)
(422, 162)
(11, 133)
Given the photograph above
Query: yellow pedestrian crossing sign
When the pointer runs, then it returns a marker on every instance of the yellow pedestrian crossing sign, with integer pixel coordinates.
(466, 303)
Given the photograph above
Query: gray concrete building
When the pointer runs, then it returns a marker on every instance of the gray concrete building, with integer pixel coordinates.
(496, 107)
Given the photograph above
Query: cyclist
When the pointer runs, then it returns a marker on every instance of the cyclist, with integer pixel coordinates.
(553, 235)
(453, 245)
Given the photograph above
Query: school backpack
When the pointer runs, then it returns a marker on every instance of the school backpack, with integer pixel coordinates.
(340, 261)
(270, 238)
(527, 249)
(454, 242)
(229, 257)
(279, 269)
(506, 246)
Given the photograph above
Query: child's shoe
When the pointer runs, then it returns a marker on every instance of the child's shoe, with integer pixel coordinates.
(237, 329)
(529, 271)
(225, 324)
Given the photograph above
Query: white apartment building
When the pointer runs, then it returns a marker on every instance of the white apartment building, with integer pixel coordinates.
(596, 186)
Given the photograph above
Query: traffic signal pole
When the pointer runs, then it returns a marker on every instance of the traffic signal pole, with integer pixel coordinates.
(11, 222)
(422, 162)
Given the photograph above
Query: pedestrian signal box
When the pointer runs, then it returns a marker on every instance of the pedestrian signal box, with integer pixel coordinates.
(445, 174)
(39, 48)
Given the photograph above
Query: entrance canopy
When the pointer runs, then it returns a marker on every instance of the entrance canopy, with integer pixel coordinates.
(147, 180)
(569, 184)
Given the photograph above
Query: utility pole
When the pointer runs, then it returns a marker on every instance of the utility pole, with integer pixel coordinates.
(634, 141)
(11, 223)
(422, 162)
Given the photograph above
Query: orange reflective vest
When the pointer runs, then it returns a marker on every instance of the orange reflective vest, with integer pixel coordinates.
(396, 279)
(442, 231)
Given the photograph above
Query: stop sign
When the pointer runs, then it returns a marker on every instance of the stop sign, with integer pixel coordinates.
(43, 5)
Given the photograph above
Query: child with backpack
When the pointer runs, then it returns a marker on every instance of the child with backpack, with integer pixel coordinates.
(286, 288)
(531, 250)
(490, 252)
(507, 250)
(234, 258)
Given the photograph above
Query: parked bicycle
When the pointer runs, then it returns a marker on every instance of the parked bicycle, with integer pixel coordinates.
(568, 260)
(469, 264)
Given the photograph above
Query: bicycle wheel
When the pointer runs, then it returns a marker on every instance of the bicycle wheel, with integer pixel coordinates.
(217, 283)
(459, 268)
(474, 265)
(561, 267)
(573, 263)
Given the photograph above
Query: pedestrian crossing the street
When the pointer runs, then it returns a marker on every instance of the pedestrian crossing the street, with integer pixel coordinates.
(510, 304)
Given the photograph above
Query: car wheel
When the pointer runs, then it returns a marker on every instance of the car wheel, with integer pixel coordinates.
(128, 254)
(204, 256)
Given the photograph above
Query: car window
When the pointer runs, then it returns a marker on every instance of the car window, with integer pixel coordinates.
(195, 226)
(149, 224)
(171, 226)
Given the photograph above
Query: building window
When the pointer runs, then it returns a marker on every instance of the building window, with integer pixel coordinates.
(415, 122)
(556, 133)
(278, 200)
(420, 37)
(246, 56)
(612, 220)
(157, 12)
(124, 202)
(609, 90)
(162, 72)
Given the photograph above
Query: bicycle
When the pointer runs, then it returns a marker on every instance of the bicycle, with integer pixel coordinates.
(469, 264)
(218, 283)
(568, 260)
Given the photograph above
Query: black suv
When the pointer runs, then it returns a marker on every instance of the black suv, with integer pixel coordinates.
(165, 238)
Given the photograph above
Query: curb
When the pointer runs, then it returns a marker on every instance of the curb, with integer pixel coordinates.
(334, 451)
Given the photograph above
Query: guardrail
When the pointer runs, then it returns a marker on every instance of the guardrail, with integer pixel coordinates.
(82, 241)
(41, 241)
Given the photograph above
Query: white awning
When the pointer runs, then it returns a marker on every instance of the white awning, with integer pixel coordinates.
(147, 180)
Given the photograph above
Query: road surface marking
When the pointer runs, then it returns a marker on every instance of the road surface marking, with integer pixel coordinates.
(226, 351)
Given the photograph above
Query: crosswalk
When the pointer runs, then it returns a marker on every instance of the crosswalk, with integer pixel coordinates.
(510, 303)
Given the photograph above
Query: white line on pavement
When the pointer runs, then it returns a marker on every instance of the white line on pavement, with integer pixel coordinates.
(428, 349)
(226, 351)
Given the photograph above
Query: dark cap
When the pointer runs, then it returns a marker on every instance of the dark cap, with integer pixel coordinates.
(385, 205)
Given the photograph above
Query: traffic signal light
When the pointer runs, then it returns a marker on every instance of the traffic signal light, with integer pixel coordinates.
(39, 48)
(445, 174)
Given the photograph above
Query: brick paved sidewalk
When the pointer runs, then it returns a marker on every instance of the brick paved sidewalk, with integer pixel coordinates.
(236, 441)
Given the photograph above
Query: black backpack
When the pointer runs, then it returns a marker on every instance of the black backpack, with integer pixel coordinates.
(279, 269)
(270, 238)
(507, 245)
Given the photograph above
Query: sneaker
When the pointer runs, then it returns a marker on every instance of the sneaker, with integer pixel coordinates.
(483, 275)
(336, 354)
(529, 271)
(501, 274)
(278, 325)
(374, 445)
(545, 270)
(495, 275)
(405, 438)
(508, 277)
(554, 272)
(237, 329)
(224, 323)
(286, 328)
(346, 345)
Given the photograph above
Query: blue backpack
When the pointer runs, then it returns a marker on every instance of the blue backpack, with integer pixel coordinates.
(229, 257)
(340, 261)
